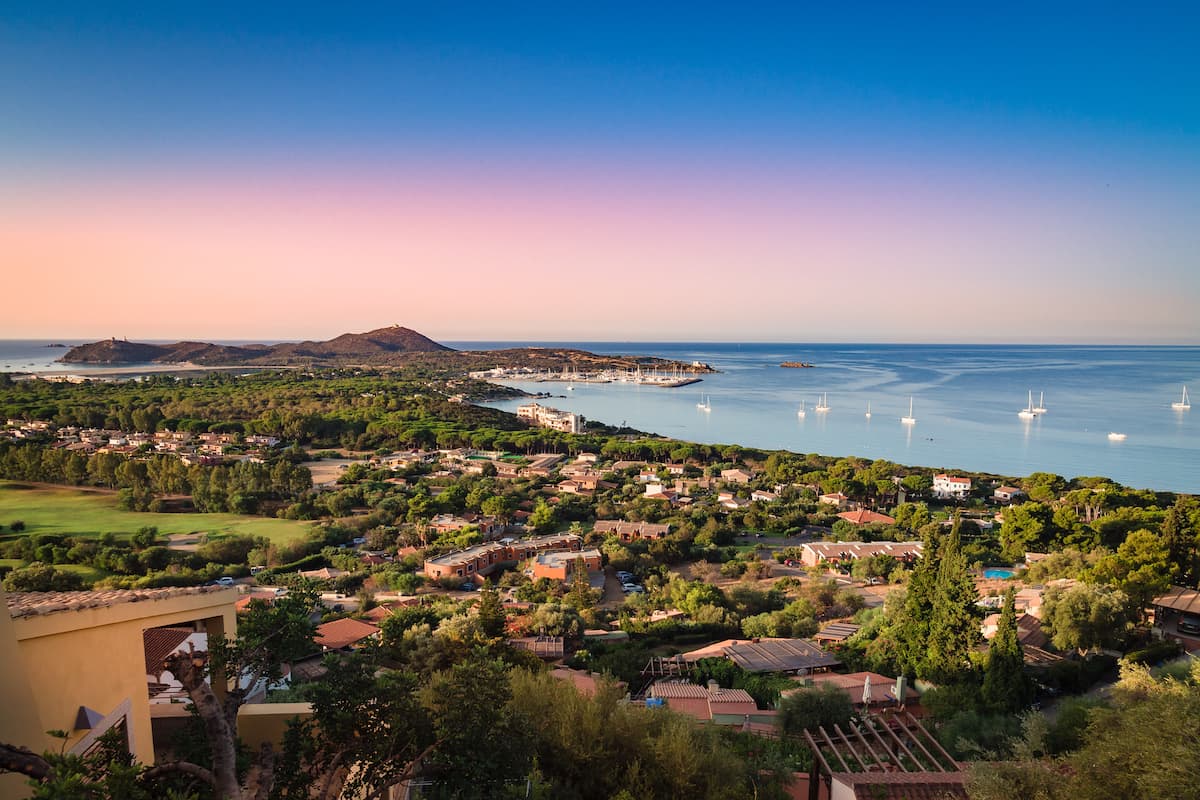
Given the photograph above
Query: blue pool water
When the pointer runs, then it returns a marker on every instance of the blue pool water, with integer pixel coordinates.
(997, 573)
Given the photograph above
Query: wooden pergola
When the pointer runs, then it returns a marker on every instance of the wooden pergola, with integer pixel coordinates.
(889, 744)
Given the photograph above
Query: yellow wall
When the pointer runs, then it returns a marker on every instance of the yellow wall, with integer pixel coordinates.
(94, 657)
(267, 722)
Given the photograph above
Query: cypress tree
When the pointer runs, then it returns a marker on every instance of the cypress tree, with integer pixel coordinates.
(953, 626)
(911, 631)
(580, 596)
(1006, 687)
(1180, 539)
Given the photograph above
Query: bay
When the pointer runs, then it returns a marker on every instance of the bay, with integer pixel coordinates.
(965, 400)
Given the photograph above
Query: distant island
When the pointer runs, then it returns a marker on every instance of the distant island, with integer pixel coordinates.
(392, 346)
(797, 364)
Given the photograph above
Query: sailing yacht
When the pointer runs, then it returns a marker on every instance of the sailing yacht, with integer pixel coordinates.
(1184, 404)
(868, 414)
(1027, 412)
(705, 404)
(910, 419)
(1116, 437)
(823, 404)
(1040, 408)
(801, 412)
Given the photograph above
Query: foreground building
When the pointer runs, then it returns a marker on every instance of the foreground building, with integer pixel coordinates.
(76, 662)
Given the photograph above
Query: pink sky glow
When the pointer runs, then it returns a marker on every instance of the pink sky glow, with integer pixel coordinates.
(583, 255)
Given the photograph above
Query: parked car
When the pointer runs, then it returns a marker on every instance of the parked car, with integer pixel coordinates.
(635, 589)
(225, 581)
(468, 587)
(625, 577)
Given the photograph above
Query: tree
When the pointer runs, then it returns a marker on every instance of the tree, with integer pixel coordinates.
(910, 627)
(482, 746)
(542, 518)
(1006, 688)
(953, 626)
(580, 597)
(1140, 568)
(490, 615)
(808, 707)
(1179, 537)
(1084, 616)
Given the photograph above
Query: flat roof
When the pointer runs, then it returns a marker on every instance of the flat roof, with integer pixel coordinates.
(768, 655)
(558, 558)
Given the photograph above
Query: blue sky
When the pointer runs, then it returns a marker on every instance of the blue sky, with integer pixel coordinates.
(1087, 109)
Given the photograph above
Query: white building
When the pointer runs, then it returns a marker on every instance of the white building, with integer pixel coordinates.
(951, 487)
(552, 418)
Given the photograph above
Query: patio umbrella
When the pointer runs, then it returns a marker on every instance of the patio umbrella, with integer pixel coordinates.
(866, 697)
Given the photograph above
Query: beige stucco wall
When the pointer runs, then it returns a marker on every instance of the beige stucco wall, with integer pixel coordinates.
(267, 722)
(94, 657)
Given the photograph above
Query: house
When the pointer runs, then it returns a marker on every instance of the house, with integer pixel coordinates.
(1029, 630)
(835, 499)
(814, 553)
(951, 487)
(550, 648)
(344, 634)
(866, 517)
(1007, 494)
(700, 702)
(731, 501)
(560, 565)
(885, 692)
(793, 656)
(630, 531)
(737, 475)
(763, 496)
(78, 662)
(1177, 616)
(484, 559)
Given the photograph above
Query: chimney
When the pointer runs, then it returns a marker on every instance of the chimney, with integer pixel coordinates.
(713, 686)
(901, 686)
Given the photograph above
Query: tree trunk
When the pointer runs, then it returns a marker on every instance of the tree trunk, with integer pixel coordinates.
(23, 761)
(190, 673)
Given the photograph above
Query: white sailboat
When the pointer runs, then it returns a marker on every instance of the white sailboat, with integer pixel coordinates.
(868, 414)
(1184, 404)
(1116, 437)
(1040, 408)
(801, 413)
(705, 404)
(822, 405)
(1027, 412)
(910, 419)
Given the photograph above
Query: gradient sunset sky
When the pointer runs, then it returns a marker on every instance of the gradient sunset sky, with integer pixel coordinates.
(604, 171)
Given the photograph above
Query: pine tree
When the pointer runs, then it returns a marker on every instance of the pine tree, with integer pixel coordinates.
(953, 626)
(1006, 687)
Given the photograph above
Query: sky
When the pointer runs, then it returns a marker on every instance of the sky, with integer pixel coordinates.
(601, 172)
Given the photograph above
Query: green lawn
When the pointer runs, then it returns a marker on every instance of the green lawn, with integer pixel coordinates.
(81, 513)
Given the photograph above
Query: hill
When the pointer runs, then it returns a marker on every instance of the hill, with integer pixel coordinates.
(373, 347)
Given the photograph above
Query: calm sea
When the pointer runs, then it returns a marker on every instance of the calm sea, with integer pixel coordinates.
(965, 399)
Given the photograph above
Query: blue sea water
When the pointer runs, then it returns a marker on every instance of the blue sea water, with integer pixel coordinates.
(965, 400)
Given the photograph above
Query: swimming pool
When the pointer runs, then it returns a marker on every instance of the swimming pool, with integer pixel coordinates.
(997, 572)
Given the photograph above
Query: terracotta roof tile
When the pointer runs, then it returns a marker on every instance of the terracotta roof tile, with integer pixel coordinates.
(343, 633)
(30, 604)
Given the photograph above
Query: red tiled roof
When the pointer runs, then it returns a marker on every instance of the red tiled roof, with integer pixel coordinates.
(343, 633)
(905, 785)
(865, 517)
(29, 604)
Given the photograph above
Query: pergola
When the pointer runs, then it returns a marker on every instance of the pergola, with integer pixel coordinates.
(880, 750)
